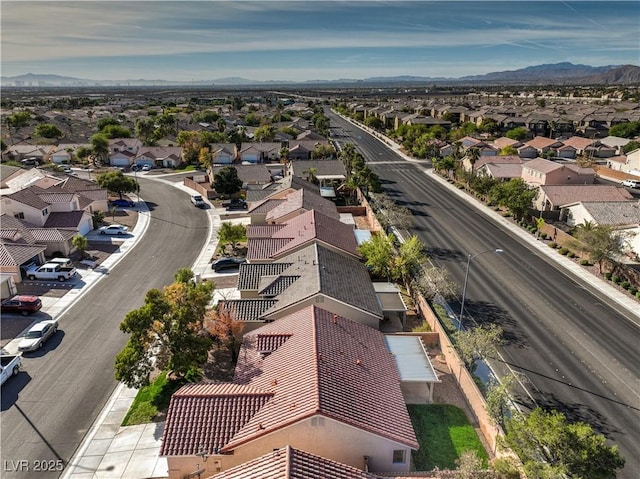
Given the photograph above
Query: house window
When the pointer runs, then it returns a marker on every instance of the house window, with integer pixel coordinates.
(399, 456)
(20, 216)
(45, 212)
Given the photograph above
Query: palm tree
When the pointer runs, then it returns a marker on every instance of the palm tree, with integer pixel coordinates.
(474, 155)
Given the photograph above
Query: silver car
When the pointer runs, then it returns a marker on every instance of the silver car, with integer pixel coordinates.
(113, 230)
(38, 335)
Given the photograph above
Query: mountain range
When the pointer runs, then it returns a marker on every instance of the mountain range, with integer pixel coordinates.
(558, 73)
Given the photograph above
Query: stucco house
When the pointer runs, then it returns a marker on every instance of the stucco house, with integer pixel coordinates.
(552, 197)
(223, 153)
(628, 164)
(159, 156)
(123, 151)
(279, 209)
(311, 374)
(545, 172)
(259, 152)
(624, 216)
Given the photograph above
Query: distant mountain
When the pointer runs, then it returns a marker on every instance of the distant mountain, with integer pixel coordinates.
(558, 73)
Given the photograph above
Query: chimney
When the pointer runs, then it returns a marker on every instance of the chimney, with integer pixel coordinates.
(335, 319)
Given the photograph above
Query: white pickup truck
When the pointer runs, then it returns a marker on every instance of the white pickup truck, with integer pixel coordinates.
(9, 366)
(50, 271)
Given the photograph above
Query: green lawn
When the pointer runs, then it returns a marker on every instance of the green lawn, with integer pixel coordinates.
(444, 433)
(151, 399)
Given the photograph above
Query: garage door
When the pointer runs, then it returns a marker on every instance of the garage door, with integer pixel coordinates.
(119, 161)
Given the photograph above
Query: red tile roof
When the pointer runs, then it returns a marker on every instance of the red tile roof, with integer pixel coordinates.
(330, 366)
(290, 463)
(206, 416)
(319, 364)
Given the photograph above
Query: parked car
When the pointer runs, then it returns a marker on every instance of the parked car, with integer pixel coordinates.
(23, 304)
(197, 201)
(67, 170)
(227, 262)
(235, 204)
(9, 366)
(631, 183)
(113, 230)
(135, 167)
(123, 203)
(147, 168)
(38, 335)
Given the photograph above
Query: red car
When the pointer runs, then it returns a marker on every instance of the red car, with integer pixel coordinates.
(22, 304)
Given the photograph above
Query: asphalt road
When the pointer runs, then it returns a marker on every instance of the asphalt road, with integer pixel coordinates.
(578, 351)
(50, 405)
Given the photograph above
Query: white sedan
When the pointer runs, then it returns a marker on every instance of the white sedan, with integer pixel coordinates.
(113, 230)
(38, 335)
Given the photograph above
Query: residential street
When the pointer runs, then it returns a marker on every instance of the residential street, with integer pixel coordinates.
(577, 349)
(47, 409)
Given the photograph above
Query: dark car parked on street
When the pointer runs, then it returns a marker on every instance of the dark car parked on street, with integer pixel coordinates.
(235, 204)
(22, 304)
(123, 203)
(227, 262)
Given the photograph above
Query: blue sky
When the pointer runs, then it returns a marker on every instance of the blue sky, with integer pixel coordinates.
(310, 40)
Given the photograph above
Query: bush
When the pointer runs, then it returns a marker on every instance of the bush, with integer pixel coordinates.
(638, 295)
(607, 276)
(506, 214)
(616, 279)
(553, 244)
(563, 251)
(571, 254)
(585, 262)
(506, 468)
(633, 290)
(543, 236)
(625, 284)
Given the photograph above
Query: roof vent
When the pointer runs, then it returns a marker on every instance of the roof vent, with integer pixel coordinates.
(335, 319)
(260, 427)
(274, 382)
(358, 362)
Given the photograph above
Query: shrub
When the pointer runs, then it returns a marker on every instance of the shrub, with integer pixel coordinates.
(506, 214)
(543, 236)
(638, 295)
(553, 244)
(633, 290)
(607, 276)
(563, 251)
(625, 284)
(585, 262)
(571, 254)
(616, 279)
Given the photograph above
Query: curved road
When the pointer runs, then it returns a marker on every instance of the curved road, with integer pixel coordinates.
(578, 350)
(48, 408)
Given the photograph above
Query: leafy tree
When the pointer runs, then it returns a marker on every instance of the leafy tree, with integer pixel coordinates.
(478, 343)
(145, 129)
(515, 195)
(226, 181)
(265, 133)
(470, 466)
(408, 260)
(100, 146)
(600, 242)
(631, 146)
(47, 130)
(507, 151)
(205, 157)
(80, 243)
(117, 182)
(116, 131)
(489, 125)
(550, 446)
(18, 120)
(378, 253)
(3, 145)
(252, 119)
(374, 122)
(102, 123)
(483, 184)
(626, 130)
(166, 332)
(82, 153)
(519, 133)
(233, 234)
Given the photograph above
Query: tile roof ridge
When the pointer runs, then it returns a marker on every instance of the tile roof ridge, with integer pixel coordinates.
(288, 462)
(317, 358)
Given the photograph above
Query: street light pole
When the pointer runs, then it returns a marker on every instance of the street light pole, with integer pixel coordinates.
(135, 175)
(466, 279)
